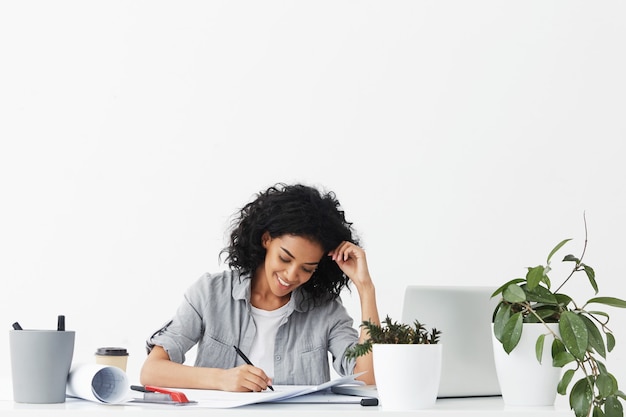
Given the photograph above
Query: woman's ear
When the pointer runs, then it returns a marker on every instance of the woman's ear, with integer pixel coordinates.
(266, 239)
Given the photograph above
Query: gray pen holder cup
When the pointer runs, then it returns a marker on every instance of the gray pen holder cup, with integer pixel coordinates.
(40, 364)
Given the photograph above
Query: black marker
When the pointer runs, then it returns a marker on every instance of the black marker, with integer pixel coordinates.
(17, 326)
(61, 324)
(369, 401)
(245, 358)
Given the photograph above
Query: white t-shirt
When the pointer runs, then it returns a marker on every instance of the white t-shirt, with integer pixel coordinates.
(262, 351)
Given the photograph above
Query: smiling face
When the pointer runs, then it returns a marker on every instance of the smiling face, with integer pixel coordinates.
(290, 261)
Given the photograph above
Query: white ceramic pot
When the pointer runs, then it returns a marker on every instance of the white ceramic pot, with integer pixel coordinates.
(523, 380)
(407, 376)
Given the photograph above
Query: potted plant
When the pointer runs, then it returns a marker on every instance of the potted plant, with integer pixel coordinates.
(400, 353)
(580, 336)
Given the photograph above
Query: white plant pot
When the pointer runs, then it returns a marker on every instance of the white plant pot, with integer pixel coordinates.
(407, 376)
(523, 380)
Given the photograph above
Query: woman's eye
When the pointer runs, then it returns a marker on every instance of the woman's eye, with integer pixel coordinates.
(285, 260)
(308, 271)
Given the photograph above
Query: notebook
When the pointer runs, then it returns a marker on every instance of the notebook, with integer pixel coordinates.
(463, 314)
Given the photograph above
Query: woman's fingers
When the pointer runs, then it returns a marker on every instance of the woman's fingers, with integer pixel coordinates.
(246, 378)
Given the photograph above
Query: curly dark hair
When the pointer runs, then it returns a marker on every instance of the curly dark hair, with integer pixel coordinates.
(297, 210)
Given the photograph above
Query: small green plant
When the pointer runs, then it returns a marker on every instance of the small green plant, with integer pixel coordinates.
(391, 332)
(581, 343)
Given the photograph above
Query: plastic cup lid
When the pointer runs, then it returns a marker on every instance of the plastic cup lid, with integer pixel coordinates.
(112, 351)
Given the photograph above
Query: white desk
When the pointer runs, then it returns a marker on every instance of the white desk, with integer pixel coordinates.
(475, 407)
(471, 407)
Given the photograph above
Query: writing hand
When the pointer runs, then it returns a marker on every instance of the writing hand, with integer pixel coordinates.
(244, 378)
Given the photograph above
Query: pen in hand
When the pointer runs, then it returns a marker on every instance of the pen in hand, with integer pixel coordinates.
(245, 358)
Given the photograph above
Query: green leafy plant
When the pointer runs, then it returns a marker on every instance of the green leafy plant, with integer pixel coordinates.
(581, 343)
(392, 332)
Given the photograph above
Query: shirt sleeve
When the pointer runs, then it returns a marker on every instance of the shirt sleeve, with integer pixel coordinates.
(184, 330)
(343, 335)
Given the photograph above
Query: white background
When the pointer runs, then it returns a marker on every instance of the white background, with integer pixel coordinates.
(464, 139)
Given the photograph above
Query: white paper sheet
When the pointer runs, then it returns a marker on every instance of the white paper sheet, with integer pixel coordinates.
(109, 385)
(98, 383)
(223, 399)
(321, 397)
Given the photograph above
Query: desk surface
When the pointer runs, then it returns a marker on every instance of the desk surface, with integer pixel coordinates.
(474, 407)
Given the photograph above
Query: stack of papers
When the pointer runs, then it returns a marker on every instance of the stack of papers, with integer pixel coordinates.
(109, 385)
(281, 393)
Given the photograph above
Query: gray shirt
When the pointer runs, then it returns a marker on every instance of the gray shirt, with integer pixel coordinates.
(215, 314)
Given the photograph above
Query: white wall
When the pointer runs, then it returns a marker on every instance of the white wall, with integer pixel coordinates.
(464, 140)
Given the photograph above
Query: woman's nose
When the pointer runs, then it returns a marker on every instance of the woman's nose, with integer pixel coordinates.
(292, 273)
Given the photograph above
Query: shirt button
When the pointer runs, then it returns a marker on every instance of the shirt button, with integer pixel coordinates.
(277, 357)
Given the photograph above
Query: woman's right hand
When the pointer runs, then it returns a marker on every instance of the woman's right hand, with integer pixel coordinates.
(159, 370)
(244, 378)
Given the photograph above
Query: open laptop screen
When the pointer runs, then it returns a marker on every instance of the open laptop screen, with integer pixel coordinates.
(463, 314)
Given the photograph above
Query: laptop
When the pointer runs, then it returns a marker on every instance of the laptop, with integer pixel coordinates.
(463, 314)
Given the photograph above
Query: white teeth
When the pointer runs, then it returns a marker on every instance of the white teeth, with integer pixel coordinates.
(286, 284)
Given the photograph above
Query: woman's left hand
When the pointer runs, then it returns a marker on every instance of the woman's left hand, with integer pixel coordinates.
(352, 261)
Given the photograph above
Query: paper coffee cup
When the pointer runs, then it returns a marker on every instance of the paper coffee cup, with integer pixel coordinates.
(112, 356)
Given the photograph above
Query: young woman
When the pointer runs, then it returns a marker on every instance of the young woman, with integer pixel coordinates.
(291, 253)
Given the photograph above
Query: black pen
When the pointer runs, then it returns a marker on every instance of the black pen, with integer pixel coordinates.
(61, 323)
(17, 326)
(245, 358)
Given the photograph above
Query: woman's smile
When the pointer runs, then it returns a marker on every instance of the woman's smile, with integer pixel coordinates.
(283, 282)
